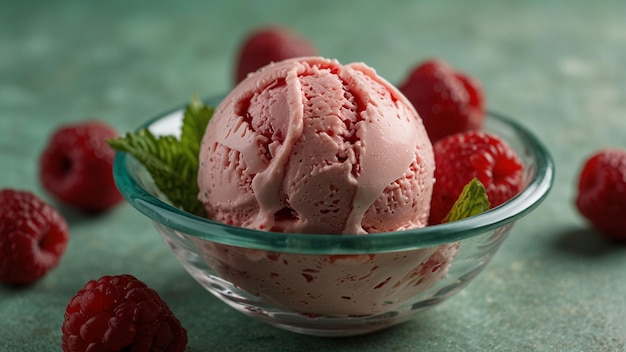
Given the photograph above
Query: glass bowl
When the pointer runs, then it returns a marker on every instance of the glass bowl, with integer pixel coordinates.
(336, 285)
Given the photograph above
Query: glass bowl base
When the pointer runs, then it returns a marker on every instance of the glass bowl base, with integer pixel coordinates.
(323, 326)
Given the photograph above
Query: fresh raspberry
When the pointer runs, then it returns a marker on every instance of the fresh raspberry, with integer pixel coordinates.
(270, 44)
(120, 313)
(448, 101)
(77, 166)
(461, 157)
(601, 194)
(33, 237)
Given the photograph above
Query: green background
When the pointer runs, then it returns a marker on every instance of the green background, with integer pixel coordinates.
(557, 67)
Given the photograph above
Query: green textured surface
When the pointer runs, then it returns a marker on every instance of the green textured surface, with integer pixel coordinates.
(555, 66)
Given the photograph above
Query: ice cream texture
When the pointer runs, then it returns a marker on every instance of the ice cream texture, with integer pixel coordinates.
(331, 285)
(309, 145)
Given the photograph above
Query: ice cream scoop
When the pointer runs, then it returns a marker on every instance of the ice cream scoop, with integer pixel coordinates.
(309, 145)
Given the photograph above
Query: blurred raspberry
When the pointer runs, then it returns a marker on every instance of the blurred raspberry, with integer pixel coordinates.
(120, 313)
(77, 166)
(601, 194)
(270, 44)
(447, 100)
(33, 237)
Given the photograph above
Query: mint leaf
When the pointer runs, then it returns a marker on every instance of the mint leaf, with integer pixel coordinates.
(472, 201)
(196, 118)
(172, 162)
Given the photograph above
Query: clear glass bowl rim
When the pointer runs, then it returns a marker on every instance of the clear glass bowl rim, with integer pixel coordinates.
(517, 207)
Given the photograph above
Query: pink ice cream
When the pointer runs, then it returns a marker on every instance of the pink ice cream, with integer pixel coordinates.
(312, 146)
(309, 145)
(332, 285)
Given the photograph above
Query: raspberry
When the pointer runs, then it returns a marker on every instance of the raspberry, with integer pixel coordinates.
(463, 156)
(77, 166)
(447, 100)
(601, 194)
(270, 44)
(120, 313)
(33, 237)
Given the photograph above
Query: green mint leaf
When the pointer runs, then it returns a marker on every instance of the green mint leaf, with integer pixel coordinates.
(472, 201)
(172, 162)
(196, 118)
